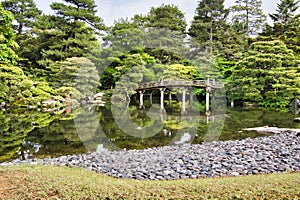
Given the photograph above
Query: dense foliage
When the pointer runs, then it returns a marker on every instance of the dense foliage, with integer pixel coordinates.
(260, 62)
(269, 73)
(7, 43)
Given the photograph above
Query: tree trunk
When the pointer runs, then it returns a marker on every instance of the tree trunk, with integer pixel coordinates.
(211, 34)
(247, 20)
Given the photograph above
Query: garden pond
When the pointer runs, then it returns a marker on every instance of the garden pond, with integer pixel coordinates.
(35, 134)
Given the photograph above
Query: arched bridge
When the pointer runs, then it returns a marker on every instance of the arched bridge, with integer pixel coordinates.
(209, 85)
(181, 83)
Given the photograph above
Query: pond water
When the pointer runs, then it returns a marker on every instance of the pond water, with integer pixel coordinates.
(36, 134)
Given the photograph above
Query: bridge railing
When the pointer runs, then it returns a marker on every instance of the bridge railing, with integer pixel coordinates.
(183, 83)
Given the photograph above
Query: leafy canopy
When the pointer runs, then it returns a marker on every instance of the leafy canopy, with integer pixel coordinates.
(7, 42)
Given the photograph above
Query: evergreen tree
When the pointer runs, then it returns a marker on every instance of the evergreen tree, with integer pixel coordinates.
(233, 43)
(79, 10)
(167, 46)
(285, 11)
(208, 25)
(74, 74)
(167, 17)
(131, 75)
(70, 32)
(165, 33)
(25, 12)
(286, 25)
(291, 35)
(250, 14)
(17, 89)
(269, 74)
(124, 36)
(123, 39)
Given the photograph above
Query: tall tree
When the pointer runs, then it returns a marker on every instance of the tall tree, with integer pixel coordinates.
(209, 23)
(165, 33)
(285, 11)
(167, 17)
(7, 42)
(286, 25)
(25, 12)
(124, 36)
(79, 10)
(250, 13)
(70, 32)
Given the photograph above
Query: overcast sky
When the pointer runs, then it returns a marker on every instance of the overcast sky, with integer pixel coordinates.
(110, 10)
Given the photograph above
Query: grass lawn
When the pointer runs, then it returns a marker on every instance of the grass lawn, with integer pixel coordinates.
(41, 182)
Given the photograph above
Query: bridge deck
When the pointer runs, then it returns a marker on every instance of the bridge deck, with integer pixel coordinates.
(181, 83)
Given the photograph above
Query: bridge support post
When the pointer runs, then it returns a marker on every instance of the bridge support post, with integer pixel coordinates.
(213, 101)
(170, 98)
(208, 89)
(142, 97)
(151, 98)
(183, 99)
(191, 97)
(162, 93)
(207, 118)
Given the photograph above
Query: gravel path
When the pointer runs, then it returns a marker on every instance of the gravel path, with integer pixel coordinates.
(271, 154)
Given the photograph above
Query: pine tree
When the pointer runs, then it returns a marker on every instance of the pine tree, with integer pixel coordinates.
(70, 32)
(285, 11)
(165, 32)
(79, 11)
(250, 13)
(167, 17)
(25, 12)
(286, 25)
(209, 23)
(75, 74)
(124, 36)
(291, 35)
(269, 74)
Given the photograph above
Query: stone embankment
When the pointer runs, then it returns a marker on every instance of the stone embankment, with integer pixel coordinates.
(270, 154)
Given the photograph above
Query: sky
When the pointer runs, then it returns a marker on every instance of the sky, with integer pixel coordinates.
(110, 10)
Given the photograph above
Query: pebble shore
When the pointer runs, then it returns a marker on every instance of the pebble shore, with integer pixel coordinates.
(270, 154)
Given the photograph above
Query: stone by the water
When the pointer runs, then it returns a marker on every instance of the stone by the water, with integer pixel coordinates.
(272, 130)
(297, 120)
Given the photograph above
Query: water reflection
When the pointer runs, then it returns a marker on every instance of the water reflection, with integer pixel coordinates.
(27, 134)
(17, 124)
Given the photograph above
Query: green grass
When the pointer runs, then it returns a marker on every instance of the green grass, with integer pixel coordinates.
(40, 182)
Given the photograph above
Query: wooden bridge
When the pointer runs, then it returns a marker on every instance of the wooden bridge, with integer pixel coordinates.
(210, 86)
(213, 84)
